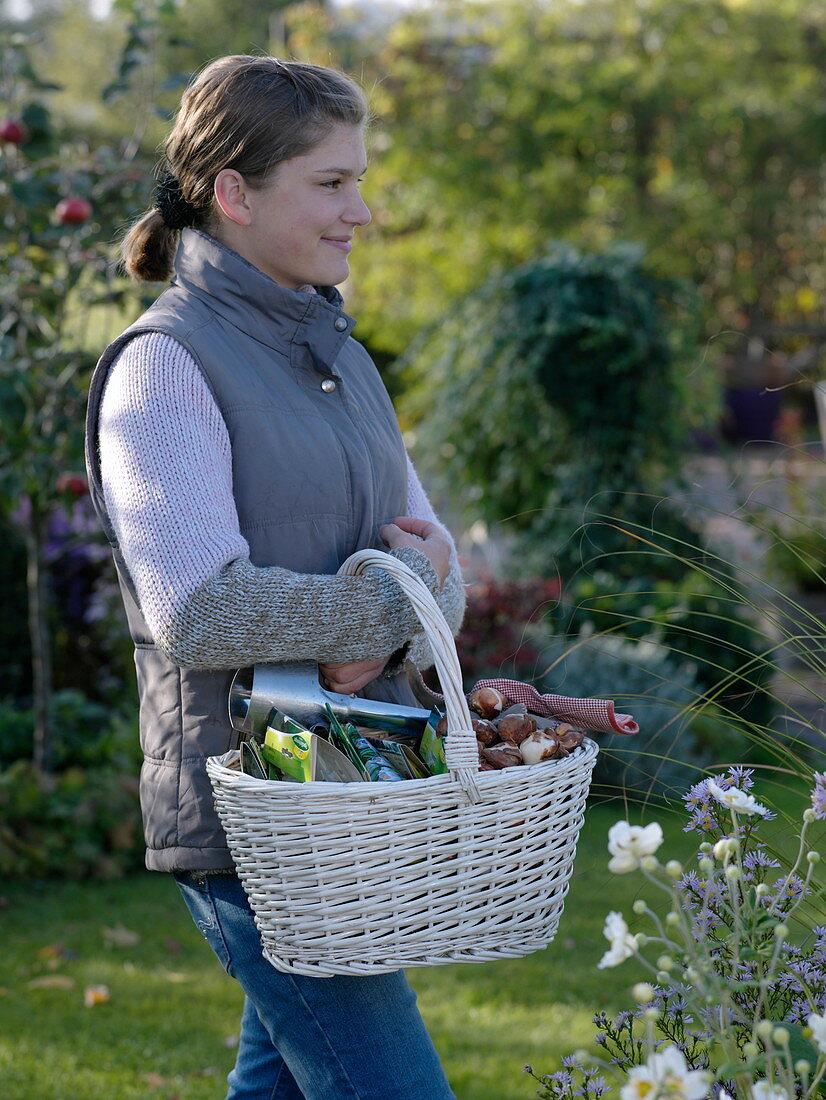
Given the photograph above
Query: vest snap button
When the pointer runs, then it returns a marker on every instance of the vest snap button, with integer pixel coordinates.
(328, 385)
(340, 324)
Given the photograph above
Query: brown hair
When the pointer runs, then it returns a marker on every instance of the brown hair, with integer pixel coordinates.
(241, 112)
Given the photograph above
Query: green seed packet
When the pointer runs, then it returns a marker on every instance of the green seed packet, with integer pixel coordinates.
(378, 769)
(303, 756)
(344, 743)
(431, 747)
(252, 762)
(401, 757)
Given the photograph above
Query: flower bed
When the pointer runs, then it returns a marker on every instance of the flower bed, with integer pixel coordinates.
(736, 1005)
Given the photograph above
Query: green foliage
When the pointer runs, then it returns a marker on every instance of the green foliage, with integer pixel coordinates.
(15, 657)
(47, 269)
(83, 819)
(695, 129)
(61, 200)
(650, 578)
(78, 823)
(560, 390)
(799, 557)
(554, 382)
(88, 733)
(739, 967)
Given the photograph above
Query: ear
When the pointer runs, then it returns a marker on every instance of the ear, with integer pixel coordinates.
(231, 195)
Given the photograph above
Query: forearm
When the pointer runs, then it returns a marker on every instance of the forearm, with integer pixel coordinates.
(249, 615)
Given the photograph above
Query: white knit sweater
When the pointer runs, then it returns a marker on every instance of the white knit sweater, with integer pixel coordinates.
(167, 468)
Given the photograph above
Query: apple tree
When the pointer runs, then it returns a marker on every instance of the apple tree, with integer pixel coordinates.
(61, 201)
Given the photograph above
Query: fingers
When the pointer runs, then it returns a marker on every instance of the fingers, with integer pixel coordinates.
(349, 679)
(421, 527)
(419, 534)
(407, 530)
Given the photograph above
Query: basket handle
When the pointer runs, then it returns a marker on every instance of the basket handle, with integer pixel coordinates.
(461, 753)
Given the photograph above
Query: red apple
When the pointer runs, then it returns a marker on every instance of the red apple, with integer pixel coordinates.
(73, 484)
(73, 211)
(12, 131)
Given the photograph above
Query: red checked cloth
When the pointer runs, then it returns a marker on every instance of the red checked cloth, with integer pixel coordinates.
(594, 714)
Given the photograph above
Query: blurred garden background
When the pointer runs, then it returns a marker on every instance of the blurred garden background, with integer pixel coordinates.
(594, 285)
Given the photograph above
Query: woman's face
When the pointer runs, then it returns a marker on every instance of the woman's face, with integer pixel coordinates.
(301, 224)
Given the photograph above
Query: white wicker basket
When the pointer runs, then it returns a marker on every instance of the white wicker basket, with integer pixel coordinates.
(361, 878)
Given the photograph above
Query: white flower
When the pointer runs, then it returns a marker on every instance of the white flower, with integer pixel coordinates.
(629, 844)
(765, 1090)
(665, 1075)
(623, 944)
(735, 799)
(818, 1026)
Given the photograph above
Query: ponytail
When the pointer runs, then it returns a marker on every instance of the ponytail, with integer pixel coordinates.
(149, 248)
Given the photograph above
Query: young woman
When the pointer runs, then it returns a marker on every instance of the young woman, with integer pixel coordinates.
(240, 446)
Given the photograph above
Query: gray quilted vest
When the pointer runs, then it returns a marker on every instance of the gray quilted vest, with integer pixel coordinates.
(318, 466)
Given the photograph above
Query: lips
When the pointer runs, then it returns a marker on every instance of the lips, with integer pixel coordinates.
(343, 244)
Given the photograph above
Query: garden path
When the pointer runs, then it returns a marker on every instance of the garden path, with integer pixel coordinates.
(735, 495)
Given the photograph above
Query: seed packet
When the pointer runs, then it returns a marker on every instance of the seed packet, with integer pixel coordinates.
(431, 747)
(302, 756)
(344, 743)
(378, 769)
(252, 763)
(401, 757)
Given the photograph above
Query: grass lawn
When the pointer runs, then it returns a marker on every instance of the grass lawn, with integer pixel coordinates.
(168, 1027)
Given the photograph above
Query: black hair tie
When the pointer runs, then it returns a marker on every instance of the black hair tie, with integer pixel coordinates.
(177, 212)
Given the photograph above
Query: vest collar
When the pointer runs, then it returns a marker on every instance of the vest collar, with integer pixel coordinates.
(257, 305)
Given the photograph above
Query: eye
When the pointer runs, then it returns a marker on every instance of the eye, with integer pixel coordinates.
(333, 185)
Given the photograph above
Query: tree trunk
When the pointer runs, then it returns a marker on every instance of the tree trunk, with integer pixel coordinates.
(41, 643)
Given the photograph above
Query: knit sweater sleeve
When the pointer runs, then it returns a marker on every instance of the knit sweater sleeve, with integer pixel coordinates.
(167, 481)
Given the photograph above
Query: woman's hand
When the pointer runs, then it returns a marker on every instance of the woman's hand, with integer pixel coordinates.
(428, 538)
(349, 679)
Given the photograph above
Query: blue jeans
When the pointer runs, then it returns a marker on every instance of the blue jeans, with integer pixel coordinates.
(339, 1038)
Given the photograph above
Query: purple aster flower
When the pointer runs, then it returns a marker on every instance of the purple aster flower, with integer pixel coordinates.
(561, 1080)
(758, 858)
(697, 795)
(819, 796)
(739, 776)
(702, 820)
(704, 923)
(792, 890)
(593, 1085)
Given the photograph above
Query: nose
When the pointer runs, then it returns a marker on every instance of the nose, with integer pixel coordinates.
(359, 212)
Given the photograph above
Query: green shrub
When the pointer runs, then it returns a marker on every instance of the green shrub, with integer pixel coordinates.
(644, 573)
(571, 376)
(76, 824)
(83, 818)
(87, 733)
(799, 556)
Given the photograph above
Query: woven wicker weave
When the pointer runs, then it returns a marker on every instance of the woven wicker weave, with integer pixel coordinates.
(361, 878)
